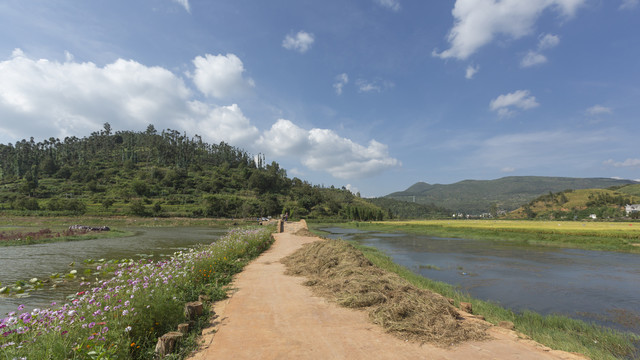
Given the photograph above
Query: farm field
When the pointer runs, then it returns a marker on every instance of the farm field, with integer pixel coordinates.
(607, 236)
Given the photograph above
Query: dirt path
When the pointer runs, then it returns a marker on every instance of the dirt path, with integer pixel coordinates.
(273, 316)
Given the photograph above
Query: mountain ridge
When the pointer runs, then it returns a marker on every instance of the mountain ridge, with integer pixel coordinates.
(507, 193)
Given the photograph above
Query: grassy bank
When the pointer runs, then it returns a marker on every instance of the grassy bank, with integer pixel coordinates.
(122, 317)
(557, 332)
(28, 230)
(603, 236)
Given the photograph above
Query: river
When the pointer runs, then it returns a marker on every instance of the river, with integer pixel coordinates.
(41, 260)
(595, 286)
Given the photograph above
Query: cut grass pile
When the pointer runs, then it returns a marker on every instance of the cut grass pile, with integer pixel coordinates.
(336, 270)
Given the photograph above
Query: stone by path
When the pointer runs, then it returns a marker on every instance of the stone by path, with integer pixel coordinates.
(270, 315)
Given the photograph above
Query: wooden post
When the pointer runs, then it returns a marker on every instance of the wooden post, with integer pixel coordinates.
(183, 328)
(193, 310)
(280, 226)
(167, 343)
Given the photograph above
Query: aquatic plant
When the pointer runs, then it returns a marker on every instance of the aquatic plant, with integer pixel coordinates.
(122, 316)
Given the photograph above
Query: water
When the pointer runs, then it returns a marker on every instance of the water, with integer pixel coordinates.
(601, 287)
(41, 260)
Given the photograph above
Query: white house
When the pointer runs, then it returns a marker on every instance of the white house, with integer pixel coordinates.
(632, 208)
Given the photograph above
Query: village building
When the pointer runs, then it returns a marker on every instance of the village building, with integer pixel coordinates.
(632, 209)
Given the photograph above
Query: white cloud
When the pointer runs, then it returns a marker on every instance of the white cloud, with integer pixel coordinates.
(545, 42)
(533, 58)
(471, 71)
(598, 110)
(353, 189)
(324, 150)
(220, 76)
(626, 163)
(548, 41)
(390, 4)
(478, 22)
(301, 42)
(184, 4)
(223, 123)
(629, 4)
(43, 98)
(372, 86)
(521, 99)
(341, 81)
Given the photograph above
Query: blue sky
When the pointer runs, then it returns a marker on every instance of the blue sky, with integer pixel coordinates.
(374, 95)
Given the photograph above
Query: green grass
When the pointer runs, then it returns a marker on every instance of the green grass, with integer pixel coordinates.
(557, 332)
(26, 224)
(588, 240)
(122, 315)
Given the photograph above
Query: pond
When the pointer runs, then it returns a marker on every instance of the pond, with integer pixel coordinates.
(41, 260)
(601, 287)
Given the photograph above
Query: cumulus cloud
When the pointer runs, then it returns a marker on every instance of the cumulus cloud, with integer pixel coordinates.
(471, 71)
(223, 123)
(626, 163)
(521, 99)
(220, 76)
(323, 149)
(341, 81)
(533, 58)
(478, 22)
(43, 98)
(49, 98)
(393, 5)
(184, 4)
(372, 86)
(598, 110)
(548, 41)
(300, 42)
(629, 4)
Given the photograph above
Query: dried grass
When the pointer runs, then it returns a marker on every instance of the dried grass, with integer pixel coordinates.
(336, 270)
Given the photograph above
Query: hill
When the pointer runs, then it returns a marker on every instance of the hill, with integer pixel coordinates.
(507, 193)
(409, 210)
(160, 174)
(577, 205)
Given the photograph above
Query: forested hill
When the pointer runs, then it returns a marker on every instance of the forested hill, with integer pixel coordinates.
(507, 193)
(159, 174)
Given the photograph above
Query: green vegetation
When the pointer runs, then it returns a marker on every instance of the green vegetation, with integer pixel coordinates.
(557, 332)
(122, 315)
(577, 205)
(508, 193)
(596, 236)
(409, 210)
(629, 189)
(167, 174)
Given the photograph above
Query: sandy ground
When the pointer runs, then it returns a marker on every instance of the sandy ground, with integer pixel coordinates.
(270, 315)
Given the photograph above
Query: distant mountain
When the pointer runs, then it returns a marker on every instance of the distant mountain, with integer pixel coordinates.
(508, 193)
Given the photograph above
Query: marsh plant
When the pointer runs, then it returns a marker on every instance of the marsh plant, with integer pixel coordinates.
(122, 316)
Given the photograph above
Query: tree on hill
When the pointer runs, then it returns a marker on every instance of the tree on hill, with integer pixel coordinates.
(163, 173)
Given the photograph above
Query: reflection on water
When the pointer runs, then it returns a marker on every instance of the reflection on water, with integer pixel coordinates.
(41, 260)
(588, 285)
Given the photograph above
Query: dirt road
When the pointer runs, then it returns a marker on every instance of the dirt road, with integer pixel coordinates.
(273, 316)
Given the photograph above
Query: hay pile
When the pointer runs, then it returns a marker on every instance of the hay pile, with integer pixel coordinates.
(341, 273)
